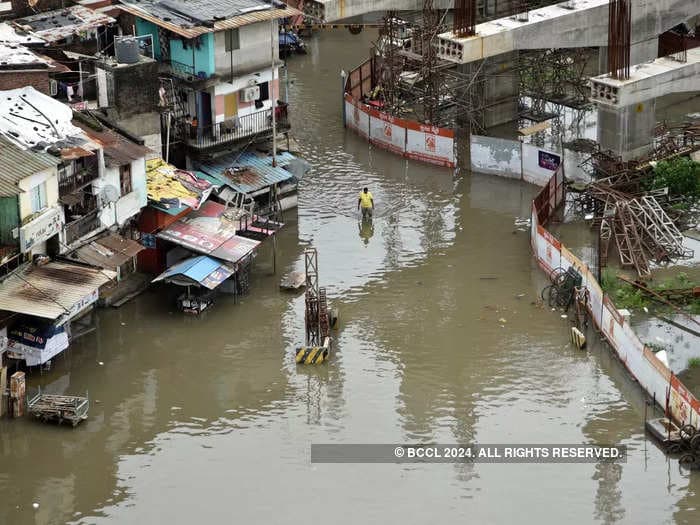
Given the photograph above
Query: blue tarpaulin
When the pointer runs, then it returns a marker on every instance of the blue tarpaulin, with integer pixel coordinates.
(202, 270)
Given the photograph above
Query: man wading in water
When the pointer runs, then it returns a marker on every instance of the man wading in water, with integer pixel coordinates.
(367, 203)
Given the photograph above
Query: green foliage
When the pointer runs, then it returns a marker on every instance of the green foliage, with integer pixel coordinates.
(680, 175)
(694, 362)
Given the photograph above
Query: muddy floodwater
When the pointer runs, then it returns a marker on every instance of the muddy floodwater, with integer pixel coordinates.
(208, 420)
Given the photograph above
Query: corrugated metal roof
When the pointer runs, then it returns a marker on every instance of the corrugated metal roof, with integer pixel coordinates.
(61, 23)
(185, 26)
(50, 291)
(17, 163)
(118, 149)
(248, 172)
(108, 252)
(203, 270)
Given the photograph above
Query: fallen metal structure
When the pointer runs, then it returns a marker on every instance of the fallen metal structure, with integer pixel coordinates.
(49, 407)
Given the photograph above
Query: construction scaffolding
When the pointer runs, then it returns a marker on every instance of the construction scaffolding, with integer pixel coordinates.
(643, 223)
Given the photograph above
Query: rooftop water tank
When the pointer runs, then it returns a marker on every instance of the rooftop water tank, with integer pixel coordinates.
(126, 50)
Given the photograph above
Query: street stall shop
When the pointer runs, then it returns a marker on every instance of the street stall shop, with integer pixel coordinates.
(48, 297)
(209, 231)
(202, 273)
(36, 341)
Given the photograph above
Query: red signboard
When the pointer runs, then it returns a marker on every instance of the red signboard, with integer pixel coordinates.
(208, 231)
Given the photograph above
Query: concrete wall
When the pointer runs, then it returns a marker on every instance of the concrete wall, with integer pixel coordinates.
(496, 156)
(50, 177)
(254, 52)
(199, 57)
(144, 27)
(244, 108)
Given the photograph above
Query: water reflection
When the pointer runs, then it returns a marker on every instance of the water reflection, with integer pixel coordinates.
(366, 227)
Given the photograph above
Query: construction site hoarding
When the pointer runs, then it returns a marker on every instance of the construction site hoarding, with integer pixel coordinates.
(430, 144)
(649, 371)
(355, 119)
(496, 156)
(404, 137)
(387, 132)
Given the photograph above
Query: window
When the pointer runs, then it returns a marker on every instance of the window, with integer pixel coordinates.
(125, 178)
(37, 196)
(231, 37)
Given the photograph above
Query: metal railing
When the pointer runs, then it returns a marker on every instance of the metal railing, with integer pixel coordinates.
(78, 228)
(70, 182)
(234, 129)
(181, 70)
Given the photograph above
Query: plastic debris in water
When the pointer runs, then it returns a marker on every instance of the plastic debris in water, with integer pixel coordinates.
(100, 363)
(564, 316)
(35, 505)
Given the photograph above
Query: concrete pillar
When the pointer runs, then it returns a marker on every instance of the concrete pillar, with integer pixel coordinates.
(500, 89)
(602, 60)
(645, 51)
(627, 131)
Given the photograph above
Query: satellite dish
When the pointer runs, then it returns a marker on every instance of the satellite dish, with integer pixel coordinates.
(32, 3)
(110, 194)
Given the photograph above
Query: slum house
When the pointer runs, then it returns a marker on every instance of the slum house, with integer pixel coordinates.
(101, 182)
(210, 231)
(222, 83)
(80, 30)
(30, 215)
(20, 67)
(48, 299)
(251, 175)
(172, 194)
(195, 242)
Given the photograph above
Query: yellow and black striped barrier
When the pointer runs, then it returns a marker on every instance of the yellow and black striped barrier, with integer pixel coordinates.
(577, 338)
(311, 355)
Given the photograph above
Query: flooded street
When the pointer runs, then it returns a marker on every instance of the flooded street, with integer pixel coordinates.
(208, 420)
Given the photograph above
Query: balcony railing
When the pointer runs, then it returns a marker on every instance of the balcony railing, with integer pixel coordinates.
(233, 130)
(69, 182)
(182, 71)
(81, 227)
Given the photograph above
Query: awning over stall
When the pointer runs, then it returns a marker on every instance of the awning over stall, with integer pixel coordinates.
(53, 290)
(110, 251)
(201, 270)
(36, 341)
(209, 231)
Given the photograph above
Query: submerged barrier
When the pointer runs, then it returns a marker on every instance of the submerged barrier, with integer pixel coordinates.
(653, 375)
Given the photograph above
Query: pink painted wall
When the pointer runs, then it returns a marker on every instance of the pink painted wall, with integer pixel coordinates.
(219, 105)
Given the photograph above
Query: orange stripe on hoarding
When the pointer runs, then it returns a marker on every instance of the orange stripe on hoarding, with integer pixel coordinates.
(417, 126)
(551, 239)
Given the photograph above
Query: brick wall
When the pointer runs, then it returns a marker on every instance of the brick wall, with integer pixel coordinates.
(39, 80)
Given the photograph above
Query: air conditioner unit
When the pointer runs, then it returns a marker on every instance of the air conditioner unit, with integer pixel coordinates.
(53, 87)
(250, 94)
